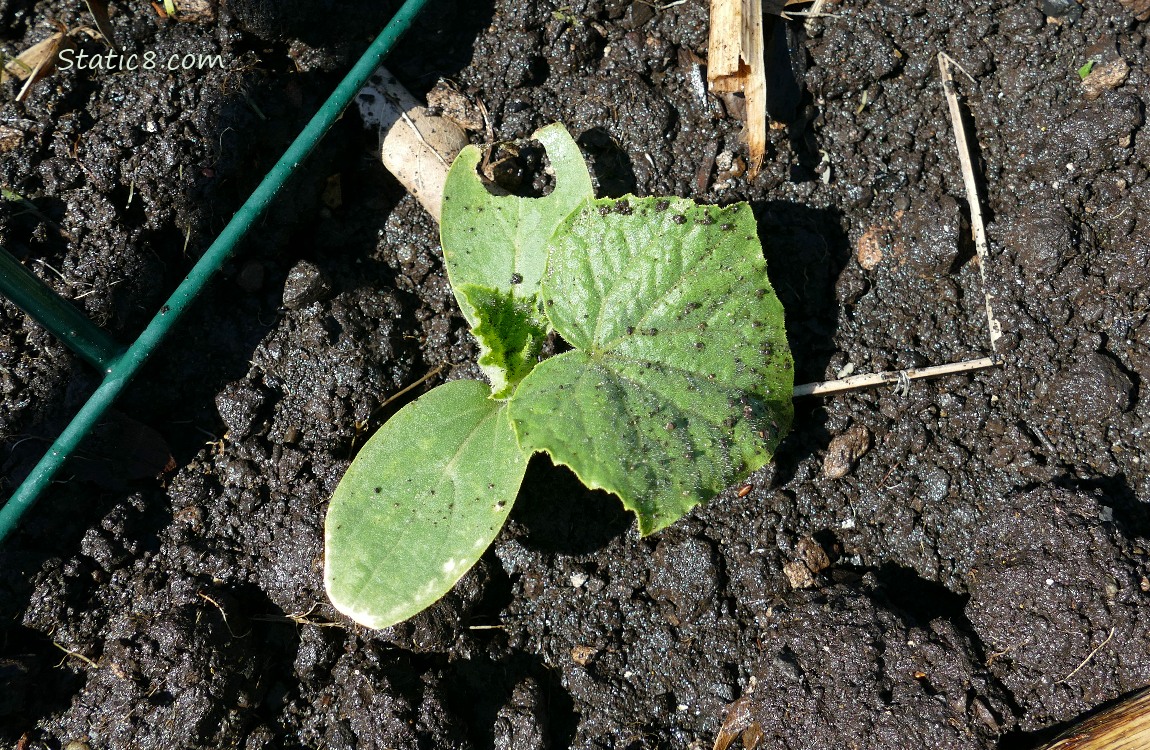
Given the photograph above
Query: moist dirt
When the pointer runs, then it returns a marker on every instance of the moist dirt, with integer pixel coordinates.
(956, 563)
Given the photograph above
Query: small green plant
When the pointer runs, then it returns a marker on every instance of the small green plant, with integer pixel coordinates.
(678, 383)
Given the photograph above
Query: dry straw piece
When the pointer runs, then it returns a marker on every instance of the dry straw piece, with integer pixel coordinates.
(36, 62)
(735, 65)
(966, 161)
(1125, 726)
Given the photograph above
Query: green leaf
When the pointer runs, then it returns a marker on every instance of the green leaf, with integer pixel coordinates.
(1085, 69)
(681, 382)
(498, 243)
(510, 336)
(421, 502)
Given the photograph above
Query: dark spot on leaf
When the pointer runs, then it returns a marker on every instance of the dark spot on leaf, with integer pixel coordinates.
(679, 219)
(706, 220)
(661, 205)
(699, 345)
(760, 293)
(603, 210)
(623, 207)
(726, 227)
(692, 307)
(630, 330)
(652, 331)
(378, 490)
(516, 278)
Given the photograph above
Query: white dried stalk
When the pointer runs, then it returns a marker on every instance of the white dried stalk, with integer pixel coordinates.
(966, 162)
(415, 146)
(855, 382)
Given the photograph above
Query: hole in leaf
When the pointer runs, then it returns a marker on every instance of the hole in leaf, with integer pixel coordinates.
(521, 169)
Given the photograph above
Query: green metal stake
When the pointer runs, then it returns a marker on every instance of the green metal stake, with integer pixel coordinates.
(53, 312)
(122, 370)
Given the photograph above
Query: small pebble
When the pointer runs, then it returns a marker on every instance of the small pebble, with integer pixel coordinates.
(813, 555)
(844, 451)
(1104, 77)
(870, 246)
(799, 575)
(582, 654)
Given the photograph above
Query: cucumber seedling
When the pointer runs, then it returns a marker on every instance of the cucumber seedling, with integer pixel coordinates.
(677, 384)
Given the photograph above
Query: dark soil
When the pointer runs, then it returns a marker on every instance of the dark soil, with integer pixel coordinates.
(989, 566)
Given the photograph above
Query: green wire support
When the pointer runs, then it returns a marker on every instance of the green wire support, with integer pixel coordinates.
(56, 314)
(121, 370)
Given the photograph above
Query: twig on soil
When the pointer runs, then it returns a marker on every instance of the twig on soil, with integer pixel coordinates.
(1038, 433)
(967, 162)
(1087, 659)
(408, 388)
(992, 657)
(856, 382)
(77, 654)
(300, 618)
(223, 614)
(815, 11)
(891, 470)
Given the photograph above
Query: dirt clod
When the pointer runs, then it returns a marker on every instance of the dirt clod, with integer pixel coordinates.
(839, 650)
(304, 285)
(1056, 593)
